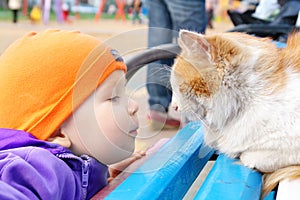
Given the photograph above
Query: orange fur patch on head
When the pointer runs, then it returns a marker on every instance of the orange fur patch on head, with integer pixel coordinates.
(199, 87)
(193, 79)
(222, 47)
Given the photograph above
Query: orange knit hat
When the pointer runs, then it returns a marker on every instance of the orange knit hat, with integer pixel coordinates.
(45, 76)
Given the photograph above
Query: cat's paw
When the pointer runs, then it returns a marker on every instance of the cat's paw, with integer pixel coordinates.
(248, 160)
(257, 160)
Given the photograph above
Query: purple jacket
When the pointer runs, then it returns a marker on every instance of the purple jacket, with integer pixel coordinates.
(35, 169)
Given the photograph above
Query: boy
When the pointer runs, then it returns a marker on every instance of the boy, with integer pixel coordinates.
(62, 99)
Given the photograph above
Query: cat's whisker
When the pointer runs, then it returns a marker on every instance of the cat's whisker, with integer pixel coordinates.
(193, 115)
(203, 121)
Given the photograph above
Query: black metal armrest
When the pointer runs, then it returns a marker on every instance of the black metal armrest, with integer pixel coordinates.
(165, 51)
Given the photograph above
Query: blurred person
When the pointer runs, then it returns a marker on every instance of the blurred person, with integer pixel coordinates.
(120, 14)
(46, 11)
(166, 18)
(137, 4)
(35, 14)
(58, 11)
(66, 11)
(210, 9)
(15, 6)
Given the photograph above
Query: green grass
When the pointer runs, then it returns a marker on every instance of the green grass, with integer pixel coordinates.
(6, 15)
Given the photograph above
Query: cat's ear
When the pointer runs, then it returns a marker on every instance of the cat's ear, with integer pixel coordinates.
(193, 43)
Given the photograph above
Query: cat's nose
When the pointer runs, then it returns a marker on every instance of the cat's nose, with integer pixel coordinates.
(175, 106)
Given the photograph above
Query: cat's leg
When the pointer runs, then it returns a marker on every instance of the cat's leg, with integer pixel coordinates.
(270, 160)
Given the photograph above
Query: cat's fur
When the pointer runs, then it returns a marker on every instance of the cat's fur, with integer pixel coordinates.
(246, 91)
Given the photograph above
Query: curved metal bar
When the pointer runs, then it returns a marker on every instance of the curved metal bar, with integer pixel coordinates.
(165, 51)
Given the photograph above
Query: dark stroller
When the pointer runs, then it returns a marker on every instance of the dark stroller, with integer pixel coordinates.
(283, 24)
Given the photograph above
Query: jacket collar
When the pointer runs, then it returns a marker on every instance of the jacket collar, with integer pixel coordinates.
(10, 138)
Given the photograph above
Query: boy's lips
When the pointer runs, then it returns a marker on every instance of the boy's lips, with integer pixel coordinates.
(133, 133)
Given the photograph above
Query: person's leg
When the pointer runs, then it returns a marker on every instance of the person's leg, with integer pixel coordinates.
(158, 86)
(158, 73)
(46, 11)
(15, 16)
(134, 17)
(209, 16)
(58, 11)
(189, 15)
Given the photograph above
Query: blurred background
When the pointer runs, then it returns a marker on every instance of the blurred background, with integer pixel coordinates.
(70, 11)
(101, 18)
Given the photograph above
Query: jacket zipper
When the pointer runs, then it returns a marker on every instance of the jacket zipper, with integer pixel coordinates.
(85, 167)
(85, 171)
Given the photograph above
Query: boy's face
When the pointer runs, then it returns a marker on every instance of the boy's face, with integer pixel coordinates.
(105, 125)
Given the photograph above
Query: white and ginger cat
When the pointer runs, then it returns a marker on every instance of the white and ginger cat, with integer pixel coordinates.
(246, 91)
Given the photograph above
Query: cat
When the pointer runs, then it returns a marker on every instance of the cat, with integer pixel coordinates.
(246, 92)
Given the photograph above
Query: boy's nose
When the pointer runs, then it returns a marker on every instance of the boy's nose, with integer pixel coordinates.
(133, 107)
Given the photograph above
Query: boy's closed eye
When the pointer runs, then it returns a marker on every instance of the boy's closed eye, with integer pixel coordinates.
(114, 98)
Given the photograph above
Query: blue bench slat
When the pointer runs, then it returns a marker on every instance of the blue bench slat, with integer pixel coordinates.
(170, 172)
(229, 180)
(271, 196)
